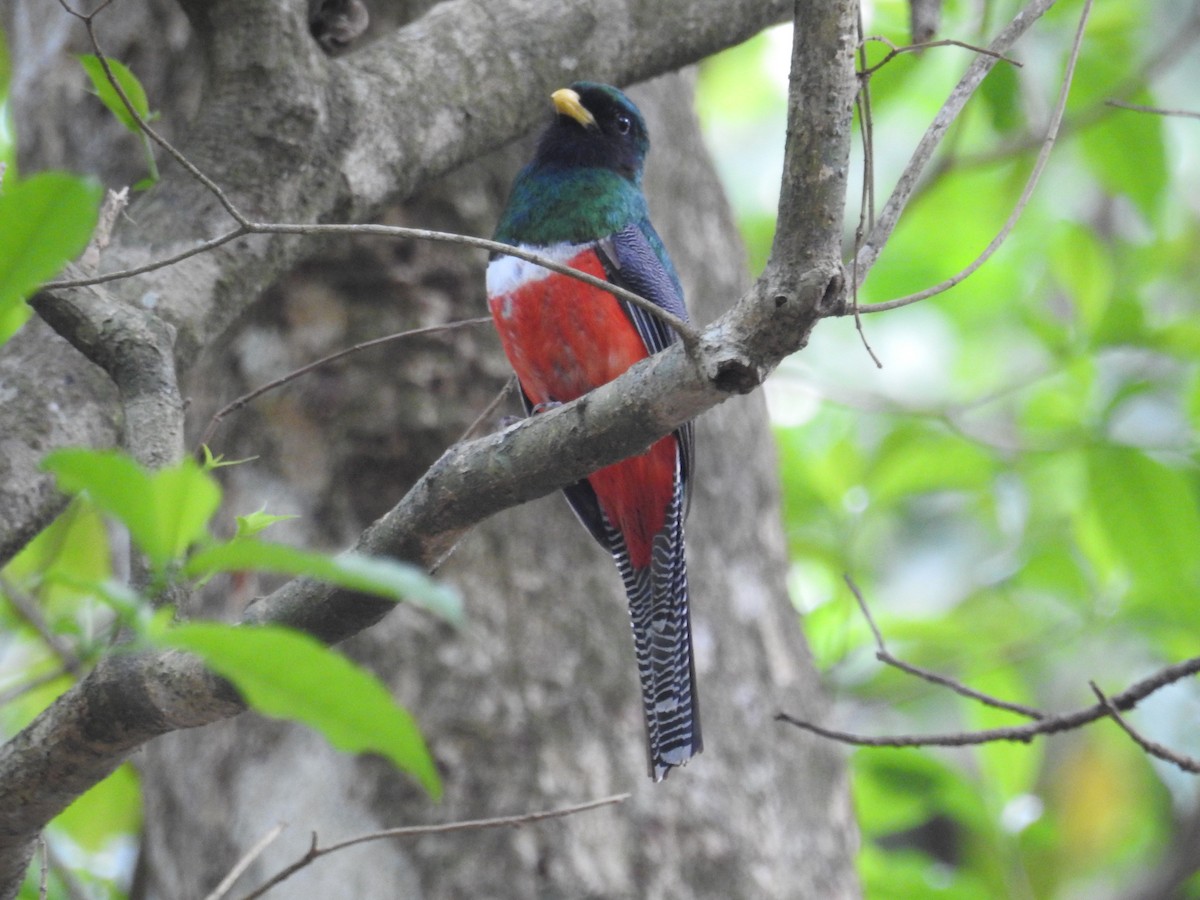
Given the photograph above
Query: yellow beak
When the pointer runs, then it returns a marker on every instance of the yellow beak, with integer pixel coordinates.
(567, 102)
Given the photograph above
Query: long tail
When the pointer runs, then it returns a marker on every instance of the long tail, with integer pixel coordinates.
(662, 635)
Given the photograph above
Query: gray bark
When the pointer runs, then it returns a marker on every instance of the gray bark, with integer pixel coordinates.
(533, 704)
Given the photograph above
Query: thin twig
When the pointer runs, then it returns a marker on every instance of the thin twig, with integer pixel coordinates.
(1163, 58)
(1156, 110)
(44, 866)
(867, 71)
(202, 247)
(1030, 184)
(241, 401)
(114, 203)
(212, 187)
(15, 693)
(866, 209)
(686, 331)
(315, 852)
(884, 656)
(244, 863)
(27, 608)
(1126, 700)
(906, 185)
(1186, 763)
(489, 409)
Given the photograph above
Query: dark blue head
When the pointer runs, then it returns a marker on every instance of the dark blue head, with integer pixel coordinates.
(598, 127)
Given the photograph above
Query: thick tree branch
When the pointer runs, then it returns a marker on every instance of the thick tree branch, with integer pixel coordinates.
(131, 698)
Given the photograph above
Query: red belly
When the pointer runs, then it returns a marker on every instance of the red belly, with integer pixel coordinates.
(564, 338)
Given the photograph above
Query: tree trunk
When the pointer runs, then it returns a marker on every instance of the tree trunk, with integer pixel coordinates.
(533, 704)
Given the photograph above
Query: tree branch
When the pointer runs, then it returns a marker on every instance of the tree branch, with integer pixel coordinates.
(314, 852)
(963, 91)
(1031, 183)
(1048, 724)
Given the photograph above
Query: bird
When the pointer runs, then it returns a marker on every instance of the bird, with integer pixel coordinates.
(580, 202)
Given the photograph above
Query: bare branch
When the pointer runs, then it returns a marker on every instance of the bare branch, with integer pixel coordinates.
(165, 262)
(190, 167)
(866, 71)
(884, 656)
(114, 203)
(1186, 763)
(27, 608)
(314, 852)
(686, 331)
(234, 405)
(1126, 700)
(1154, 110)
(1030, 185)
(244, 863)
(866, 212)
(963, 91)
(15, 693)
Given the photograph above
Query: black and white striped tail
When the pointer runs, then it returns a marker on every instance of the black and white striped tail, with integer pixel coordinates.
(662, 636)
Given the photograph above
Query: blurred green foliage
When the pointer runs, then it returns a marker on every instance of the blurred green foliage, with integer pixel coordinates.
(1016, 491)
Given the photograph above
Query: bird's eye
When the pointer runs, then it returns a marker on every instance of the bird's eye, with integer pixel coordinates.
(623, 124)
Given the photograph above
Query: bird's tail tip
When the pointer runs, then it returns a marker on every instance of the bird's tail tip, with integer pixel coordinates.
(662, 763)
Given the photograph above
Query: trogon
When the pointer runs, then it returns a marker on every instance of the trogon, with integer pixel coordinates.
(580, 203)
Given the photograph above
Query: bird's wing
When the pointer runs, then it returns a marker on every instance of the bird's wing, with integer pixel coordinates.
(635, 259)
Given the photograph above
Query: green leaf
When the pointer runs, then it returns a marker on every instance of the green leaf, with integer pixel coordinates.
(917, 459)
(1126, 153)
(108, 95)
(1000, 90)
(1011, 768)
(371, 575)
(1148, 512)
(165, 511)
(290, 675)
(1061, 407)
(113, 808)
(219, 461)
(47, 221)
(73, 546)
(8, 137)
(5, 69)
(12, 318)
(252, 524)
(1084, 267)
